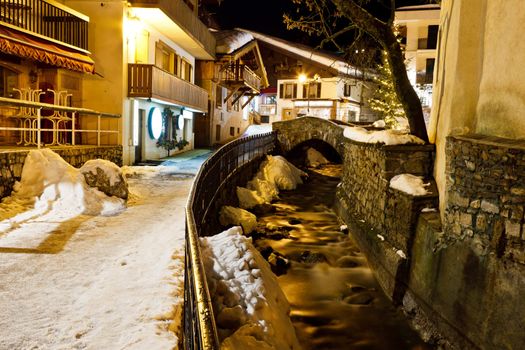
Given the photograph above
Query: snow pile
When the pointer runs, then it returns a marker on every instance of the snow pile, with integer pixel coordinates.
(248, 198)
(264, 189)
(410, 184)
(236, 216)
(111, 169)
(388, 137)
(50, 184)
(314, 158)
(255, 129)
(278, 171)
(379, 124)
(274, 174)
(250, 308)
(229, 41)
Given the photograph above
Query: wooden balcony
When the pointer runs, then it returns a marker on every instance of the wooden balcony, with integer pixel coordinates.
(239, 76)
(149, 81)
(188, 31)
(46, 18)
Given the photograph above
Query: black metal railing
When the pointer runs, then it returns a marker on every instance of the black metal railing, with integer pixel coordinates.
(199, 325)
(47, 19)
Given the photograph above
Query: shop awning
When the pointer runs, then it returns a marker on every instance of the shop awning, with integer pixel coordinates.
(26, 46)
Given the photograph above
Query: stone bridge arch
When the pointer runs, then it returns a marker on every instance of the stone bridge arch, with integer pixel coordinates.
(292, 133)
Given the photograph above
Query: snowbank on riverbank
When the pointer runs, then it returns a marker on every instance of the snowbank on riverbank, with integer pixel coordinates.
(314, 158)
(237, 216)
(250, 308)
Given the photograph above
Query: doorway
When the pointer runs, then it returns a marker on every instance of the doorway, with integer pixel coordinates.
(140, 143)
(287, 113)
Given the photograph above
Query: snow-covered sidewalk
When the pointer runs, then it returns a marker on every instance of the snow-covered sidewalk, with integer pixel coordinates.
(114, 282)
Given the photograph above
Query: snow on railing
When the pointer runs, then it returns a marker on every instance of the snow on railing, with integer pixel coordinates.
(29, 118)
(200, 331)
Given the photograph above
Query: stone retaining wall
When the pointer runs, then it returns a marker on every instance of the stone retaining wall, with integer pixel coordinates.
(486, 194)
(12, 161)
(384, 219)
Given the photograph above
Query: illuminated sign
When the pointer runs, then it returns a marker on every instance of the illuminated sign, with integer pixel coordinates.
(155, 123)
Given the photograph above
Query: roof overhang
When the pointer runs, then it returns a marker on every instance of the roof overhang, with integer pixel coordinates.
(161, 21)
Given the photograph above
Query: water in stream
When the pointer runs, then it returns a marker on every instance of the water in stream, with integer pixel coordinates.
(335, 301)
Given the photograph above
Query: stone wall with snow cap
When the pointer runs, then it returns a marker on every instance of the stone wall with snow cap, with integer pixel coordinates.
(12, 162)
(250, 308)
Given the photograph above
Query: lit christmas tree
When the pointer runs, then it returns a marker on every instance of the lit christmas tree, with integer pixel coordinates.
(385, 100)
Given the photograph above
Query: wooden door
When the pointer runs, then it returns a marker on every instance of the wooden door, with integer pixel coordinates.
(287, 113)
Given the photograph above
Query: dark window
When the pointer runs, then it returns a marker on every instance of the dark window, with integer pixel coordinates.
(432, 36)
(429, 71)
(238, 130)
(281, 90)
(347, 90)
(288, 90)
(218, 96)
(313, 90)
(8, 81)
(232, 131)
(217, 132)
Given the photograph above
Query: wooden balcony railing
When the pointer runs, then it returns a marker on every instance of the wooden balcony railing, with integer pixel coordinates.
(149, 81)
(47, 18)
(236, 74)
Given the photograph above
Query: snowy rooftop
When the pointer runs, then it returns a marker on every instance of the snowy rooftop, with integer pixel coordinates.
(419, 7)
(324, 58)
(229, 41)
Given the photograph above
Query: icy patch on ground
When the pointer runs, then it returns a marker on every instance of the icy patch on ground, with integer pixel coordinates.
(388, 137)
(237, 216)
(314, 158)
(410, 184)
(250, 308)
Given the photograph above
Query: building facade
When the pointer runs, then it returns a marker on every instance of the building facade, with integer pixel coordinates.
(418, 27)
(145, 54)
(304, 81)
(233, 82)
(44, 58)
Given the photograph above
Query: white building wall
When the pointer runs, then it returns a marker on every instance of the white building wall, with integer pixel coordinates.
(480, 79)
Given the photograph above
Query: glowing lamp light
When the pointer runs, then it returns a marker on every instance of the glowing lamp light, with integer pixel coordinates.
(155, 123)
(302, 78)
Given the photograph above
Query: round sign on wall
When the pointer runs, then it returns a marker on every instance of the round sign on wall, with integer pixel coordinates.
(155, 123)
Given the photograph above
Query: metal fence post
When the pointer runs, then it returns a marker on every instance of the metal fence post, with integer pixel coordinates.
(98, 130)
(73, 128)
(38, 127)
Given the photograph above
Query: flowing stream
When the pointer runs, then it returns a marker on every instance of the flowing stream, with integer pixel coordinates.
(335, 301)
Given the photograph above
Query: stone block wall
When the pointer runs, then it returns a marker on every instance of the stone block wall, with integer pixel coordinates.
(12, 161)
(367, 171)
(486, 194)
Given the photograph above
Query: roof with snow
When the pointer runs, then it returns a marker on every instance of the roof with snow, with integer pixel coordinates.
(321, 57)
(419, 7)
(229, 41)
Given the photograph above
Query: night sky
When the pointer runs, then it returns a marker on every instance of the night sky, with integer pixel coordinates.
(267, 17)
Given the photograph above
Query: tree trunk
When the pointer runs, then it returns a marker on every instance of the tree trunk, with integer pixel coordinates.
(382, 33)
(405, 91)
